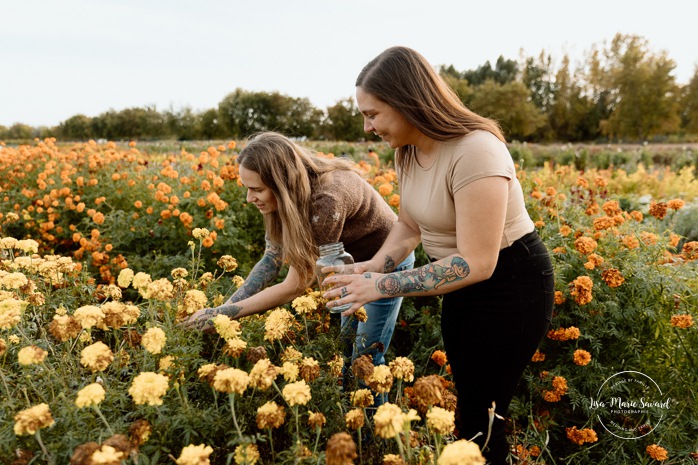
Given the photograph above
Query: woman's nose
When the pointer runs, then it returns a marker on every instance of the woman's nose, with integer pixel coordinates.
(250, 197)
(368, 127)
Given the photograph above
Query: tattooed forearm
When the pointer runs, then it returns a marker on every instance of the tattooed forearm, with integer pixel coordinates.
(230, 310)
(263, 274)
(425, 278)
(389, 264)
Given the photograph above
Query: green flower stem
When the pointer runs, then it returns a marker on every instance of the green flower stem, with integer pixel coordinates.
(298, 429)
(37, 435)
(400, 447)
(99, 412)
(358, 430)
(317, 439)
(231, 397)
(271, 445)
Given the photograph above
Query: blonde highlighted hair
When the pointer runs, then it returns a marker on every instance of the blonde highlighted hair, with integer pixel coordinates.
(404, 79)
(292, 173)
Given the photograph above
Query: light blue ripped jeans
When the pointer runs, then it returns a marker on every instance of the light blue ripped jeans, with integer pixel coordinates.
(372, 336)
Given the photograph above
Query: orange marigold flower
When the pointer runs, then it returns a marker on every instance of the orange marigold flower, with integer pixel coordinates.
(593, 209)
(612, 277)
(648, 238)
(565, 230)
(394, 200)
(637, 216)
(564, 334)
(538, 357)
(581, 290)
(138, 204)
(674, 239)
(559, 250)
(611, 208)
(675, 204)
(385, 189)
(690, 250)
(658, 210)
(600, 182)
(630, 242)
(559, 298)
(604, 222)
(439, 357)
(682, 321)
(581, 436)
(585, 245)
(581, 357)
(583, 183)
(657, 452)
(536, 194)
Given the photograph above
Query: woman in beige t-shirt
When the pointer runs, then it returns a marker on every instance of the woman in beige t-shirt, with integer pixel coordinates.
(461, 199)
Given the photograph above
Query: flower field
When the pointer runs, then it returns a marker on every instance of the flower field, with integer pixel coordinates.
(107, 248)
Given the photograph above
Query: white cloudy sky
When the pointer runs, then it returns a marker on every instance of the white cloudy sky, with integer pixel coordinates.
(59, 58)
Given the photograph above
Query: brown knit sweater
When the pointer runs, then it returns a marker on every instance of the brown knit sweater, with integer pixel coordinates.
(347, 209)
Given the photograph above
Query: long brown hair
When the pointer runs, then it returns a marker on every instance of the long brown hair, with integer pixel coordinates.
(292, 173)
(404, 79)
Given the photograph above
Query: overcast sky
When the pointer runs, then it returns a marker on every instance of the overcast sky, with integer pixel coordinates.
(59, 58)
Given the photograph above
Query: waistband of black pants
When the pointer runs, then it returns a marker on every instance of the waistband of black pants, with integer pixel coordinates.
(520, 246)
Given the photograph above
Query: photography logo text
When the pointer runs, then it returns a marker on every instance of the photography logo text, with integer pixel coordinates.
(630, 405)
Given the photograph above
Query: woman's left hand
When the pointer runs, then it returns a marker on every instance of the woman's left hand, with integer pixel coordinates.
(357, 289)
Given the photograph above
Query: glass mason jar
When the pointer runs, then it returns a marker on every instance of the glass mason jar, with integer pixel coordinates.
(333, 255)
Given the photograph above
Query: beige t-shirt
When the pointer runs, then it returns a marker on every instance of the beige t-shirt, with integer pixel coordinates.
(427, 194)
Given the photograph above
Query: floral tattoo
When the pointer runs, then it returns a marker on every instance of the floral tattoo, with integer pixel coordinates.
(425, 278)
(389, 264)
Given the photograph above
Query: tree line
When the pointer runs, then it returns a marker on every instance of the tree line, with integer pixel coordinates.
(623, 91)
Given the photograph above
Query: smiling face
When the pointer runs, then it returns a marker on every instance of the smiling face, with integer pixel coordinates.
(258, 193)
(384, 121)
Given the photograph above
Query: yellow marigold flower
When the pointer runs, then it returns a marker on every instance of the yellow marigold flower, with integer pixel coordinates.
(270, 415)
(89, 316)
(195, 455)
(193, 301)
(335, 365)
(31, 355)
(388, 420)
(92, 394)
(612, 277)
(238, 281)
(154, 340)
(461, 452)
(28, 246)
(361, 315)
(148, 388)
(304, 304)
(246, 454)
(341, 450)
(402, 368)
(205, 370)
(354, 419)
(381, 380)
(166, 363)
(585, 245)
(581, 290)
(581, 357)
(263, 374)
(362, 398)
(682, 321)
(11, 312)
(316, 420)
(439, 356)
(141, 280)
(125, 277)
(31, 420)
(657, 452)
(581, 436)
(297, 393)
(14, 280)
(161, 289)
(393, 459)
(96, 357)
(277, 324)
(675, 204)
(228, 263)
(3, 346)
(227, 328)
(231, 380)
(290, 354)
(200, 233)
(309, 369)
(234, 347)
(179, 273)
(290, 371)
(441, 420)
(107, 455)
(13, 339)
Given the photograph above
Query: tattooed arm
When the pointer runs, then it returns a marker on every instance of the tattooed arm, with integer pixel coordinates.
(480, 213)
(254, 296)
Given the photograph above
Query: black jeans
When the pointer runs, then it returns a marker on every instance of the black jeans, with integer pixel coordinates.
(491, 330)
